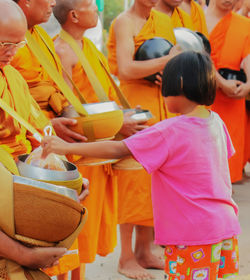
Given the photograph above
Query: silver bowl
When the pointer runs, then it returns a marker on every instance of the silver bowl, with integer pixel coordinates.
(50, 187)
(37, 173)
(91, 108)
(188, 40)
(140, 114)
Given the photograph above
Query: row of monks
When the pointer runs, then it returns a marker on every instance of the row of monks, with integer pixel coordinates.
(31, 89)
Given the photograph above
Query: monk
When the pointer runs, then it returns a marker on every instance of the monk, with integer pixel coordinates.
(42, 87)
(197, 15)
(128, 31)
(75, 17)
(14, 91)
(231, 49)
(179, 17)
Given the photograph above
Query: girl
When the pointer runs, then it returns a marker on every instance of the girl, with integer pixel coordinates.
(194, 214)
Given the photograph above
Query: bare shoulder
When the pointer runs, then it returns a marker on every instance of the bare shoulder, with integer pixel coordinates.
(65, 52)
(125, 21)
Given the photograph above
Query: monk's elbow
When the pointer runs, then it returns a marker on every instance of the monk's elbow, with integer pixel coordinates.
(125, 74)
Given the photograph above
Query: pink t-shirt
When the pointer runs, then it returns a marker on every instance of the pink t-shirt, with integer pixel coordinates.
(191, 187)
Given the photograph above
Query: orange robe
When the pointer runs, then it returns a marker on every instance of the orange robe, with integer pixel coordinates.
(42, 87)
(198, 18)
(180, 18)
(229, 48)
(99, 233)
(14, 138)
(134, 191)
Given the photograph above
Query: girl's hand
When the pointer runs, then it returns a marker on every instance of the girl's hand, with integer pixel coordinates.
(54, 144)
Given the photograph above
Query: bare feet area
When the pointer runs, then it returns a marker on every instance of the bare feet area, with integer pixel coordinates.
(158, 251)
(131, 269)
(150, 261)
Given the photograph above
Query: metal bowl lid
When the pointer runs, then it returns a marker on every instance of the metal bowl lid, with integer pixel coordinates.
(50, 187)
(188, 40)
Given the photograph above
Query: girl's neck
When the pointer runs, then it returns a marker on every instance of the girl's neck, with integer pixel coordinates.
(198, 111)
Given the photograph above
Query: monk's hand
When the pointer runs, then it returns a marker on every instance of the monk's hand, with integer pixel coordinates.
(131, 126)
(158, 80)
(229, 87)
(85, 189)
(54, 144)
(62, 128)
(242, 90)
(42, 257)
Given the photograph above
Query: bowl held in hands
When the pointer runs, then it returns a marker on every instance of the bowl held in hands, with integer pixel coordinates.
(103, 122)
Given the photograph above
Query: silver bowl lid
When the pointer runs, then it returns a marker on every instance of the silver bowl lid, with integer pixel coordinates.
(92, 108)
(38, 173)
(50, 187)
(140, 114)
(188, 40)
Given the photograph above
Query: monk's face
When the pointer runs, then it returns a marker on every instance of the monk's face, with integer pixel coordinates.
(86, 13)
(225, 5)
(171, 3)
(39, 11)
(12, 37)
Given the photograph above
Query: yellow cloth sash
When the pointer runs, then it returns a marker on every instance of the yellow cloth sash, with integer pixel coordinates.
(198, 18)
(52, 71)
(180, 18)
(96, 84)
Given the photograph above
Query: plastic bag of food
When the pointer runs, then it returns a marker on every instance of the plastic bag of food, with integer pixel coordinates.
(52, 161)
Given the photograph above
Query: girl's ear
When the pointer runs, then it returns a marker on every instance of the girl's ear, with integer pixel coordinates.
(73, 15)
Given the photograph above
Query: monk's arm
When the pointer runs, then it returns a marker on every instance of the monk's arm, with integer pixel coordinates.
(128, 68)
(105, 149)
(29, 257)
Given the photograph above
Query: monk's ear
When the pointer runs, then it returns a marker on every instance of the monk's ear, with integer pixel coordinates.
(73, 16)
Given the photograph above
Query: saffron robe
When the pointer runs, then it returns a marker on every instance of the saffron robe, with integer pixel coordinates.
(198, 18)
(230, 43)
(134, 186)
(14, 138)
(42, 87)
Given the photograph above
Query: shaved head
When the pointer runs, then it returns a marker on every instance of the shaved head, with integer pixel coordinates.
(10, 13)
(62, 9)
(13, 27)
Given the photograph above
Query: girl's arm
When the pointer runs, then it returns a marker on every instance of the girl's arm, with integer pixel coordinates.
(105, 149)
